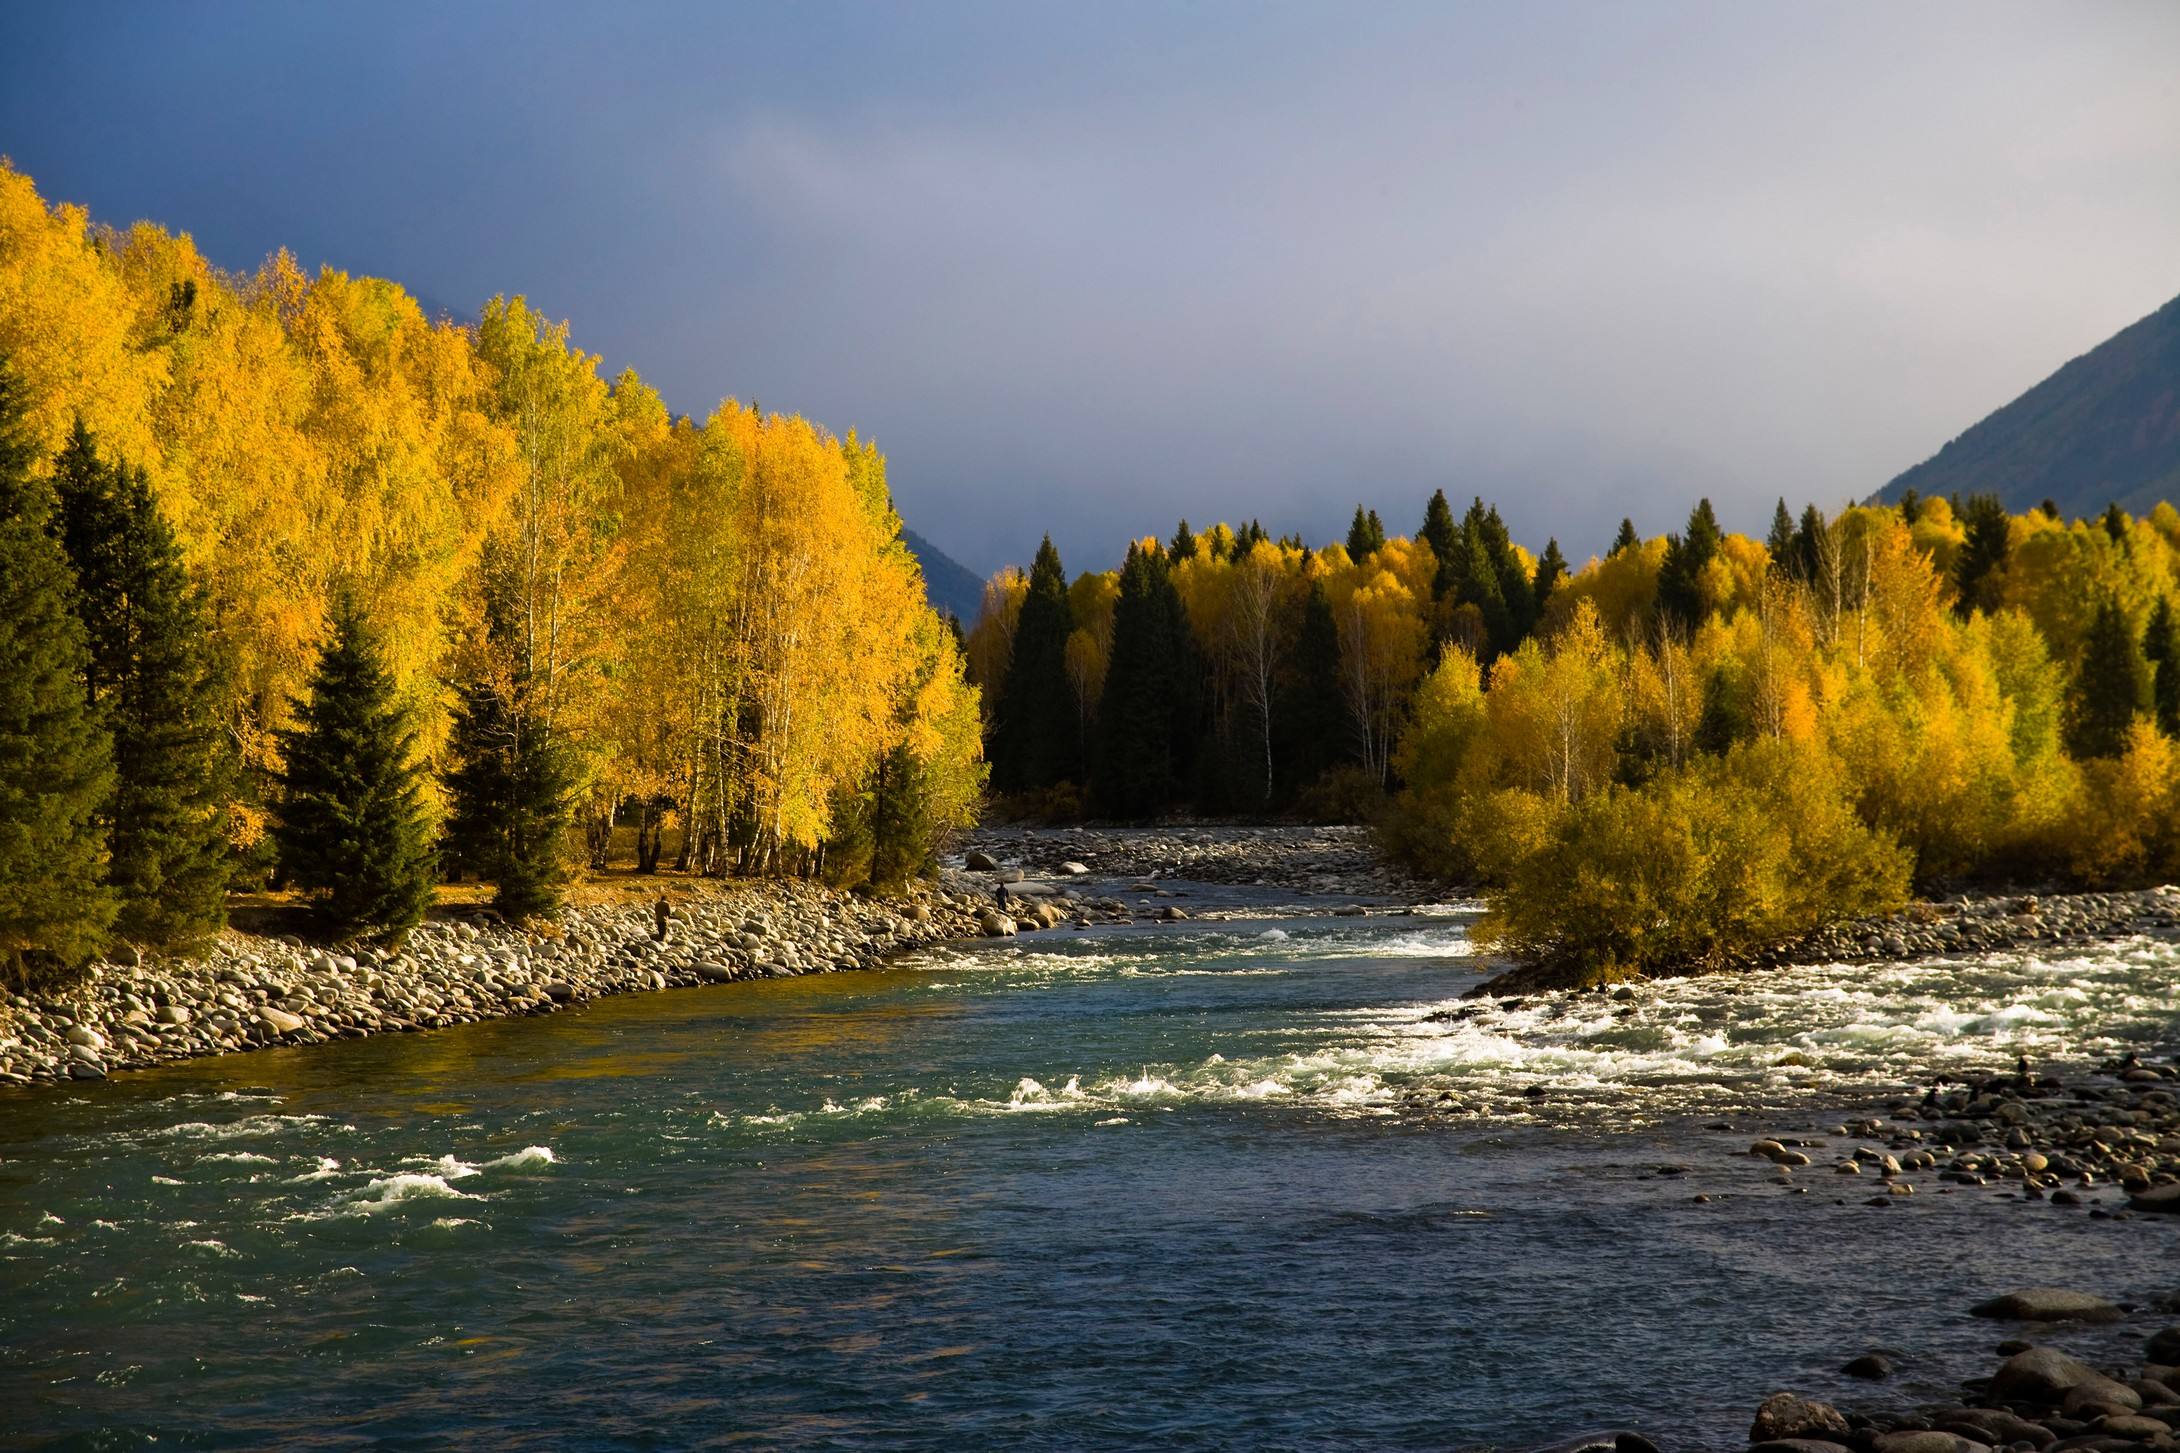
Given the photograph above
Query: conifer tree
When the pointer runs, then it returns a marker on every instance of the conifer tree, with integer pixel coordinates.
(352, 830)
(1442, 535)
(509, 789)
(1627, 539)
(1911, 505)
(56, 765)
(1780, 542)
(1316, 715)
(2110, 687)
(1365, 536)
(1184, 543)
(1982, 555)
(2161, 648)
(154, 678)
(1145, 715)
(1551, 569)
(2115, 523)
(1687, 557)
(1036, 742)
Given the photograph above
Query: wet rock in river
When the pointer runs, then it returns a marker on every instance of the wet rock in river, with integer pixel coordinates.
(1786, 1415)
(2047, 1304)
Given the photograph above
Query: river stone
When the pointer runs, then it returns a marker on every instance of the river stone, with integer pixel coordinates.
(2165, 1346)
(2047, 1304)
(980, 863)
(1872, 1365)
(86, 1037)
(2041, 1375)
(1996, 1426)
(2156, 1198)
(1617, 1440)
(2133, 1425)
(706, 969)
(1798, 1445)
(1928, 1440)
(1783, 1415)
(996, 925)
(278, 1021)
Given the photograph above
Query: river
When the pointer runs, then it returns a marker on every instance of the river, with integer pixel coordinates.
(1246, 1184)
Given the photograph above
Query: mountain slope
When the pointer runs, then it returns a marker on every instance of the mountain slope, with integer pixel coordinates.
(2105, 427)
(948, 583)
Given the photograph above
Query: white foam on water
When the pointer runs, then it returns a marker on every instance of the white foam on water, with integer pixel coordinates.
(1274, 935)
(385, 1192)
(530, 1157)
(249, 1125)
(240, 1157)
(327, 1168)
(47, 1218)
(215, 1246)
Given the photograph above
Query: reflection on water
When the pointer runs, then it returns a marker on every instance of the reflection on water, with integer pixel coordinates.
(1233, 1185)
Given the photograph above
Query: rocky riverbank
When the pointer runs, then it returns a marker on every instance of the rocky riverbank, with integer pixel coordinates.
(1326, 861)
(2038, 1399)
(2107, 1139)
(251, 991)
(1963, 924)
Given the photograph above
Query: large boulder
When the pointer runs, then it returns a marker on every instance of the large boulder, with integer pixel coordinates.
(1783, 1415)
(2157, 1198)
(980, 863)
(278, 1021)
(996, 924)
(2045, 1375)
(2047, 1304)
(2165, 1346)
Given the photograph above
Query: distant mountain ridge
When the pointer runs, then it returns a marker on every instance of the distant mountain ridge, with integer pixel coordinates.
(2104, 428)
(950, 585)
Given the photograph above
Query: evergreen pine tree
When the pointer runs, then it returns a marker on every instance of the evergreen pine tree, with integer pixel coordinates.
(1314, 713)
(1036, 741)
(1443, 536)
(1365, 536)
(1780, 542)
(1146, 714)
(1627, 539)
(2110, 687)
(1911, 506)
(56, 765)
(351, 828)
(1687, 557)
(1184, 543)
(1982, 555)
(2115, 523)
(1550, 571)
(154, 678)
(2161, 648)
(509, 791)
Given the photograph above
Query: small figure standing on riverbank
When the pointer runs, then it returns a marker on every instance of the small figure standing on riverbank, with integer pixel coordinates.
(663, 911)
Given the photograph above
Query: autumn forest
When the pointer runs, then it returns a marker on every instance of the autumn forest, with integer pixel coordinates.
(307, 588)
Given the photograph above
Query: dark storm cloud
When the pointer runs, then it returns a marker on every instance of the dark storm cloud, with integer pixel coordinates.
(1089, 269)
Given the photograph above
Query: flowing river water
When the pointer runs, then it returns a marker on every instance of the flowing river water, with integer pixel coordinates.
(1255, 1183)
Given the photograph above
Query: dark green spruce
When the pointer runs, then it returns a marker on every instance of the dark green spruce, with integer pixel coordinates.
(2110, 687)
(1146, 717)
(510, 793)
(352, 830)
(2161, 648)
(56, 763)
(154, 677)
(1038, 741)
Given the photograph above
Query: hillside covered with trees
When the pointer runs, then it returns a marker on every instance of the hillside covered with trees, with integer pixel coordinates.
(2106, 427)
(1693, 746)
(305, 588)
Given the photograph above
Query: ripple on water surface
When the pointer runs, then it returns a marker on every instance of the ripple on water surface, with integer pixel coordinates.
(1216, 1185)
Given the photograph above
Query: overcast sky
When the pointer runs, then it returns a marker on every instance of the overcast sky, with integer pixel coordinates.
(1088, 268)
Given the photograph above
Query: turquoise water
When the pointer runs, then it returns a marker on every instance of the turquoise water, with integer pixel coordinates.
(1214, 1185)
